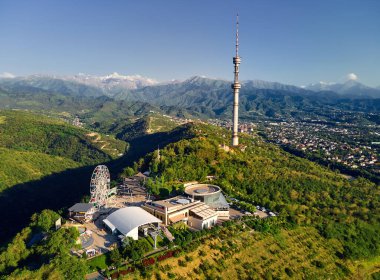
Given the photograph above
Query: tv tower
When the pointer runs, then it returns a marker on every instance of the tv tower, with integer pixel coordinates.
(236, 87)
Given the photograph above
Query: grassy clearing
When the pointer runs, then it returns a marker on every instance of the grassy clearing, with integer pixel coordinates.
(2, 119)
(100, 262)
(158, 123)
(106, 143)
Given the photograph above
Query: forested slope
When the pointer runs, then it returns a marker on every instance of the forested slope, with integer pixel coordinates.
(328, 226)
(300, 190)
(18, 167)
(33, 146)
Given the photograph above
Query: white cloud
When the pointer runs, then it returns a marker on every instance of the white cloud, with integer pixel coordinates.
(7, 75)
(352, 77)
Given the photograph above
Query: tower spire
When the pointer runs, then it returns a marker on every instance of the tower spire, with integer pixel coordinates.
(237, 35)
(236, 87)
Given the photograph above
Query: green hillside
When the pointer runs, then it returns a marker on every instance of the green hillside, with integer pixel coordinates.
(33, 146)
(18, 167)
(26, 131)
(327, 226)
(159, 123)
(101, 109)
(132, 128)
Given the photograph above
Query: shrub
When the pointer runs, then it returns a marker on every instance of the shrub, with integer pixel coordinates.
(289, 272)
(202, 253)
(148, 262)
(182, 263)
(188, 258)
(171, 275)
(318, 264)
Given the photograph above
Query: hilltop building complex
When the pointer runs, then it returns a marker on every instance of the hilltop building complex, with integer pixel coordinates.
(211, 195)
(194, 213)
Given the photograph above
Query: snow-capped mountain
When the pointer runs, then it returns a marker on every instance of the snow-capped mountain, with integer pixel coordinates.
(82, 84)
(112, 81)
(320, 86)
(350, 88)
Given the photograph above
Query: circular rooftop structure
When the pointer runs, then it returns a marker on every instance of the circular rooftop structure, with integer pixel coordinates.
(209, 194)
(202, 190)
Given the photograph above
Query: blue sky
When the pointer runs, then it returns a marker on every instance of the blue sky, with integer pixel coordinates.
(289, 41)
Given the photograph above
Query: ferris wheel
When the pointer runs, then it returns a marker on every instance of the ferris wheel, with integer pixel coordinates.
(100, 186)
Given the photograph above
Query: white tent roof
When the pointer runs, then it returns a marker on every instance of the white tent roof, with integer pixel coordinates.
(128, 218)
(111, 226)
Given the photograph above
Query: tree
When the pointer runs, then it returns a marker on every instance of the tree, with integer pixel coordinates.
(45, 220)
(116, 257)
(135, 249)
(16, 250)
(128, 171)
(70, 266)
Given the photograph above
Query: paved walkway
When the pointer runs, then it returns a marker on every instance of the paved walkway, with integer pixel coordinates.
(95, 276)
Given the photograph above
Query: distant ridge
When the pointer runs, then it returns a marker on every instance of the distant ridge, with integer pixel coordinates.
(80, 84)
(118, 85)
(350, 88)
(197, 96)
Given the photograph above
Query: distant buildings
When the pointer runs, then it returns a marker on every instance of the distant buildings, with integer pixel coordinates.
(344, 144)
(77, 122)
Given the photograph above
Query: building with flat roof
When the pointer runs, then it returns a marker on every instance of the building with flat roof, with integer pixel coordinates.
(181, 209)
(202, 216)
(82, 212)
(127, 221)
(210, 195)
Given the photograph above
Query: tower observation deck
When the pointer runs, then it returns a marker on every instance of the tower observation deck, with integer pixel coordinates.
(236, 87)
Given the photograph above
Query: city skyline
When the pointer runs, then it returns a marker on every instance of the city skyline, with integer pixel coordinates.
(293, 43)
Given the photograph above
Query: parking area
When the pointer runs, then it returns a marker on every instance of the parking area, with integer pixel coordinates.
(235, 213)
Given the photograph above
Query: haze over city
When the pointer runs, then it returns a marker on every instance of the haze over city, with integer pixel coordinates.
(292, 42)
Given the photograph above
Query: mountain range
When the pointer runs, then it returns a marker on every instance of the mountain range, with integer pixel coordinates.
(82, 84)
(196, 96)
(116, 84)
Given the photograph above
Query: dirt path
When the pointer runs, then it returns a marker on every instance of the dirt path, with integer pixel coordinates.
(98, 139)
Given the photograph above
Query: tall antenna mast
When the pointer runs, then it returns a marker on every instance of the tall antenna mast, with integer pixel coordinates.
(236, 87)
(237, 35)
